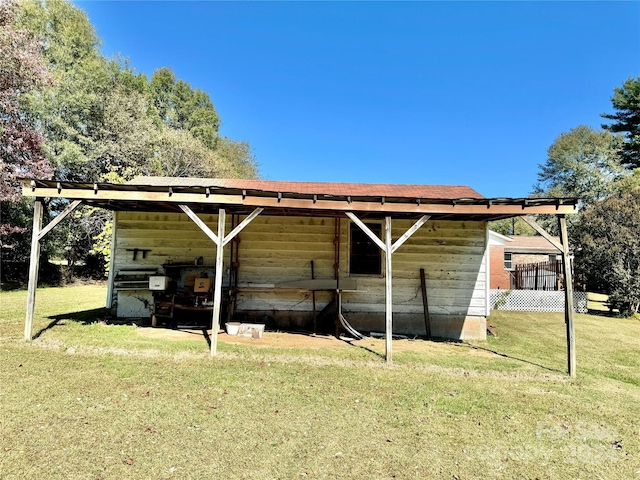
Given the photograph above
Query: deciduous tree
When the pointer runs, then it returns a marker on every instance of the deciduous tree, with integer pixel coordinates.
(22, 69)
(582, 163)
(102, 121)
(607, 245)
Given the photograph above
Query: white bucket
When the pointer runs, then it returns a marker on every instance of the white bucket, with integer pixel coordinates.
(232, 327)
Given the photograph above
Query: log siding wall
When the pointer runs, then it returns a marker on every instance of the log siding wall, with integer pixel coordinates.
(279, 249)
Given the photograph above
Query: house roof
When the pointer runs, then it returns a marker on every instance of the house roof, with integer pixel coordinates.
(241, 196)
(318, 188)
(496, 238)
(531, 244)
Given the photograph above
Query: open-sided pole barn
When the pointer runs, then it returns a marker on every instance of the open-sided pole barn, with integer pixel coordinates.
(440, 230)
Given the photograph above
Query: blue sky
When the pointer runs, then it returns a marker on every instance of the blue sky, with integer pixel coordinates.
(454, 93)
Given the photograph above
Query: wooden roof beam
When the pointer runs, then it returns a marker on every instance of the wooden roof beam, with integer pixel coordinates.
(478, 207)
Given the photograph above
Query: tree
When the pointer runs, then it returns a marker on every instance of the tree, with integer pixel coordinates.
(239, 155)
(126, 138)
(182, 108)
(631, 182)
(71, 114)
(179, 154)
(582, 163)
(105, 123)
(512, 226)
(607, 244)
(626, 120)
(22, 69)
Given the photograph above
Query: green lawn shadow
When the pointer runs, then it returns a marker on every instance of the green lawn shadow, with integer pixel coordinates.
(84, 317)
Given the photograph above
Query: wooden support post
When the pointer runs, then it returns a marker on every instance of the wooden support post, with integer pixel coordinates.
(34, 264)
(568, 296)
(336, 267)
(217, 289)
(388, 247)
(388, 289)
(112, 249)
(220, 240)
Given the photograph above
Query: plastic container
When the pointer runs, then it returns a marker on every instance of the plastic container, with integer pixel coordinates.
(251, 330)
(232, 328)
(158, 282)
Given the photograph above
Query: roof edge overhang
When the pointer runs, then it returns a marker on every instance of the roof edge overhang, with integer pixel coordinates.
(498, 238)
(167, 198)
(530, 250)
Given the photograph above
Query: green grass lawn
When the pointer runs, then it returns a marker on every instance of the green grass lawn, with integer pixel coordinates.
(89, 400)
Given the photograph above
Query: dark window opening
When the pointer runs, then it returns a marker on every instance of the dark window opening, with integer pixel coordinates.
(365, 256)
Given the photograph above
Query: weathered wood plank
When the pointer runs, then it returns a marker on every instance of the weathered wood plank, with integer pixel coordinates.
(353, 307)
(301, 245)
(34, 264)
(406, 235)
(217, 289)
(388, 250)
(319, 284)
(287, 226)
(568, 296)
(61, 216)
(297, 203)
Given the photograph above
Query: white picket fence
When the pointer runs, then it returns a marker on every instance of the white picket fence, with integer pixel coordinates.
(535, 300)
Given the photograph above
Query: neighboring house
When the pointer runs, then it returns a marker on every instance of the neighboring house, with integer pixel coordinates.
(509, 251)
(500, 277)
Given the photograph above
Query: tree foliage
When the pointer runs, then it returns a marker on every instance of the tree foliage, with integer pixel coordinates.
(626, 119)
(512, 226)
(98, 121)
(22, 69)
(608, 253)
(582, 163)
(106, 123)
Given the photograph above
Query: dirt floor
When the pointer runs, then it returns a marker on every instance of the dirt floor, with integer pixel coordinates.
(299, 340)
